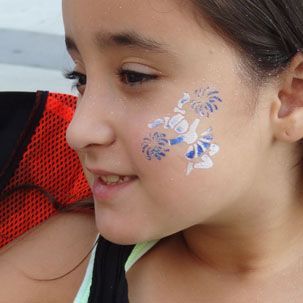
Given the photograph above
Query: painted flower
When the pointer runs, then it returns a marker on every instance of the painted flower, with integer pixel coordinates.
(155, 146)
(205, 101)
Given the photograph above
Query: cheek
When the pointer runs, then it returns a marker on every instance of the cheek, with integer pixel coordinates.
(150, 150)
(87, 174)
(201, 166)
(180, 136)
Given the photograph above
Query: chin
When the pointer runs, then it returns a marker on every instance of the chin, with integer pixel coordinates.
(120, 232)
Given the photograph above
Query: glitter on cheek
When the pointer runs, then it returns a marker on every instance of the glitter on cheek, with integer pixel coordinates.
(201, 147)
(155, 146)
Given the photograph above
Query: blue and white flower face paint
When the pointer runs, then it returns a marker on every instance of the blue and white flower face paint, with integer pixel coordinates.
(201, 147)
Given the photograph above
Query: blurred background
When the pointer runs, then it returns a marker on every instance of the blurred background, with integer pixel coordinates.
(32, 50)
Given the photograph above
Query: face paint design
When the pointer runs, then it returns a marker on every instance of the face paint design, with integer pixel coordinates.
(201, 147)
(155, 146)
(205, 101)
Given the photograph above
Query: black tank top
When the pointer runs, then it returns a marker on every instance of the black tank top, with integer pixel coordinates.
(109, 283)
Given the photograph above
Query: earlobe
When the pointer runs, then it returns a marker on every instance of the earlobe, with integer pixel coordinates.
(287, 109)
(288, 128)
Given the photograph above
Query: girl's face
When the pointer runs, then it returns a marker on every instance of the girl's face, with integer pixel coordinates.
(162, 101)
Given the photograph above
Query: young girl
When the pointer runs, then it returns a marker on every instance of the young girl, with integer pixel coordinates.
(189, 126)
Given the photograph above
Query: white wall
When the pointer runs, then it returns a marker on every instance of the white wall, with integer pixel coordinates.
(32, 51)
(32, 15)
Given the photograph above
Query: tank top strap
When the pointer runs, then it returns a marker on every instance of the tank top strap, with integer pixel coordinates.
(138, 252)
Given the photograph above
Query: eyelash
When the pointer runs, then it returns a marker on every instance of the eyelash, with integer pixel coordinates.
(79, 79)
(128, 77)
(124, 73)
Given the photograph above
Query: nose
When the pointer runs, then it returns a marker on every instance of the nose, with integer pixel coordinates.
(90, 125)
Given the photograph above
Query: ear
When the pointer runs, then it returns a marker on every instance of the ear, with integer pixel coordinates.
(287, 109)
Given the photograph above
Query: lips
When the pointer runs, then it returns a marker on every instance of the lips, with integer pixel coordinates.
(107, 192)
(107, 184)
(100, 172)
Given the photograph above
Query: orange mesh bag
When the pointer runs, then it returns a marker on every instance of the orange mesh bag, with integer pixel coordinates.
(39, 173)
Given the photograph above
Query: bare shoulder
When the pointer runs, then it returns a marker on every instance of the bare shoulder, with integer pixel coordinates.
(154, 278)
(168, 274)
(33, 268)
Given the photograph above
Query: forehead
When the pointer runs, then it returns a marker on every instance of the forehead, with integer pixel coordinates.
(113, 13)
(157, 20)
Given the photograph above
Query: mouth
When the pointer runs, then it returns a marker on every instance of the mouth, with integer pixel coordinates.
(108, 185)
(111, 180)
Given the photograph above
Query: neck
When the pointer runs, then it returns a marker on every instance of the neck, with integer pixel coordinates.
(261, 232)
(249, 248)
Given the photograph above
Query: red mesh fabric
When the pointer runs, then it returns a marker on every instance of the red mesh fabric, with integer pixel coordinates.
(49, 163)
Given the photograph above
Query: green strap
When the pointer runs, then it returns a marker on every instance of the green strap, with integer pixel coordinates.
(84, 291)
(138, 251)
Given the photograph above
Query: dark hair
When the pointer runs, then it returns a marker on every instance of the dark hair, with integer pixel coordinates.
(84, 205)
(81, 205)
(268, 32)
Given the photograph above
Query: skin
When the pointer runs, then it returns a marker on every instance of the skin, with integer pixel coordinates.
(47, 251)
(236, 226)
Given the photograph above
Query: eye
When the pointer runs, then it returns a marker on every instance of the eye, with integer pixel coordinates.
(79, 80)
(132, 78)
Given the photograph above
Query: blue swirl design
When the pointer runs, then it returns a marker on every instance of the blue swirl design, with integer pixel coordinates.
(207, 106)
(155, 146)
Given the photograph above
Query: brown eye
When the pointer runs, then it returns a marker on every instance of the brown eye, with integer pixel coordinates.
(132, 78)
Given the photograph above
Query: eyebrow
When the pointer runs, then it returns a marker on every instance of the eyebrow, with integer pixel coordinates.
(124, 39)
